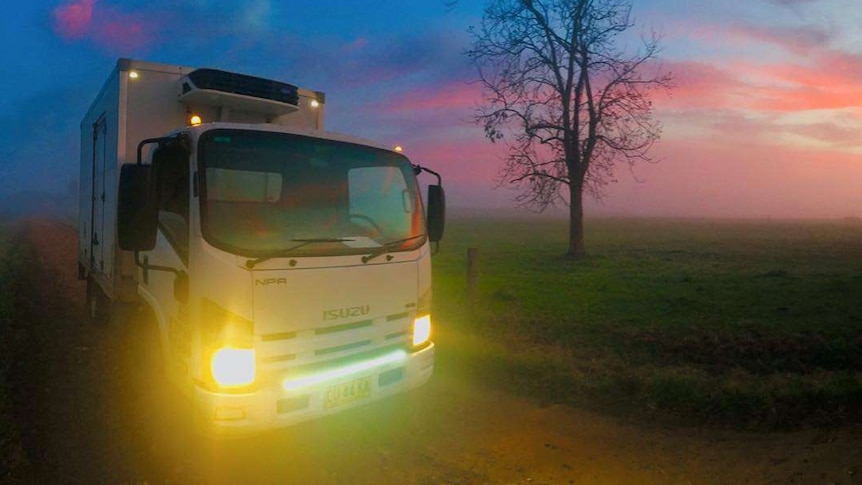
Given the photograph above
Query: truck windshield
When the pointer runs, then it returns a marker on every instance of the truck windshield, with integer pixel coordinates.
(262, 191)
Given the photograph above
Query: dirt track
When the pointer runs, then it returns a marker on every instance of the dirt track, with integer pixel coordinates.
(78, 404)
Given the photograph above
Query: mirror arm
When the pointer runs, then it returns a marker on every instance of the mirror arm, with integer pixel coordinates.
(147, 266)
(181, 138)
(417, 169)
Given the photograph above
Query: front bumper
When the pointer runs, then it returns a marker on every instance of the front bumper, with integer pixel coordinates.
(271, 407)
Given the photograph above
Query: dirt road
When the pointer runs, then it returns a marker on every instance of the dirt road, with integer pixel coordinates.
(77, 408)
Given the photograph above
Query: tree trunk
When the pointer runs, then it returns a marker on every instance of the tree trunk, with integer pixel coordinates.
(576, 221)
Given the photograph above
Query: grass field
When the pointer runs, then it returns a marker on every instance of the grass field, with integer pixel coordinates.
(744, 324)
(750, 324)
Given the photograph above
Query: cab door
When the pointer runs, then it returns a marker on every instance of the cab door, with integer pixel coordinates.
(169, 283)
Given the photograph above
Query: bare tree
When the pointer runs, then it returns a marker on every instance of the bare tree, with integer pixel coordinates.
(570, 102)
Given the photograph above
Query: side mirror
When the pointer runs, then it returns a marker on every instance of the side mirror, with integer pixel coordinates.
(436, 216)
(136, 211)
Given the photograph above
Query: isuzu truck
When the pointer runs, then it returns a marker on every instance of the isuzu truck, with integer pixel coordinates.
(287, 268)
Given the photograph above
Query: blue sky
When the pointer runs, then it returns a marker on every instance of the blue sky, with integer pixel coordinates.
(765, 119)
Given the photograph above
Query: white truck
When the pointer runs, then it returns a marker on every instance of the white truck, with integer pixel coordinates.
(287, 268)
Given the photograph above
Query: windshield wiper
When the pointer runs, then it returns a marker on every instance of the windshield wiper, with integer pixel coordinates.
(251, 263)
(388, 247)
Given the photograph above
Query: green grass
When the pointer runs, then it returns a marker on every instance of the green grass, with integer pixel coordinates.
(753, 324)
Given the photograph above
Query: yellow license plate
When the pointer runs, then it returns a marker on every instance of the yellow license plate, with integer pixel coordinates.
(347, 392)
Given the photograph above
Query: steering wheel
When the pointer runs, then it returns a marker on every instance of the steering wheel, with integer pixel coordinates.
(369, 221)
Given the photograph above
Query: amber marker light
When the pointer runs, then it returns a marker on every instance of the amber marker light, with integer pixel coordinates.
(315, 103)
(195, 120)
(133, 74)
(421, 330)
(398, 148)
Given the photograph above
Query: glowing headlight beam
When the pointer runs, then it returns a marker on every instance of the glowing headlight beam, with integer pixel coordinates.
(300, 382)
(233, 367)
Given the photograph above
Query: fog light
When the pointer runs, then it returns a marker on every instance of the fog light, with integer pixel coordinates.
(233, 367)
(421, 330)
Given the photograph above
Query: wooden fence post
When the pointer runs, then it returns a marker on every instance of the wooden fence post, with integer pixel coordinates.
(472, 277)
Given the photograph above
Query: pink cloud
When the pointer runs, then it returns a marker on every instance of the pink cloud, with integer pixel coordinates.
(829, 81)
(738, 170)
(807, 98)
(108, 28)
(358, 44)
(768, 68)
(71, 21)
(702, 85)
(717, 177)
(123, 32)
(740, 179)
(458, 150)
(456, 95)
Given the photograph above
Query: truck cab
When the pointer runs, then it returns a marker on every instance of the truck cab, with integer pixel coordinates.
(287, 268)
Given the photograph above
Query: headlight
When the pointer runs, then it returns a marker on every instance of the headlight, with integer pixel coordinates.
(228, 340)
(421, 330)
(233, 367)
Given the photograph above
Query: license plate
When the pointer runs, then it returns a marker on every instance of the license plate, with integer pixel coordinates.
(347, 392)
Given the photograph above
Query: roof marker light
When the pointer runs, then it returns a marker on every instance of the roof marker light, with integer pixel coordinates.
(195, 120)
(133, 74)
(398, 148)
(315, 103)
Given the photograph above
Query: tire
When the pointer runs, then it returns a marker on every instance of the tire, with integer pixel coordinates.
(98, 305)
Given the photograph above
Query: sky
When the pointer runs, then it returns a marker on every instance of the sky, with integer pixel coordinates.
(765, 119)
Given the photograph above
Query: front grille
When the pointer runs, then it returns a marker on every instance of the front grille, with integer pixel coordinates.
(326, 365)
(324, 347)
(343, 327)
(277, 336)
(342, 348)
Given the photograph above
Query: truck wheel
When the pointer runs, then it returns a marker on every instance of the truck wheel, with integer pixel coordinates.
(98, 306)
